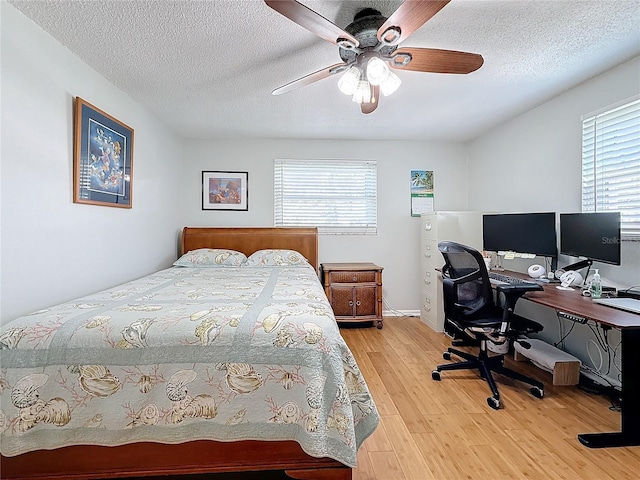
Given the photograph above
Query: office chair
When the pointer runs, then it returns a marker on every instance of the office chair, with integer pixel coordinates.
(470, 307)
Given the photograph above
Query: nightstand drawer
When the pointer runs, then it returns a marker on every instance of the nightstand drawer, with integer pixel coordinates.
(352, 277)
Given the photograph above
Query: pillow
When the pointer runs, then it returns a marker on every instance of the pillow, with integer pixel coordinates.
(275, 257)
(211, 257)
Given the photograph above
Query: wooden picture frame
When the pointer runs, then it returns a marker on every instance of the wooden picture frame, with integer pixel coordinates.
(225, 191)
(102, 158)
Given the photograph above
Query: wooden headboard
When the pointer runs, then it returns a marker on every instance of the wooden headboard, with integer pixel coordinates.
(251, 239)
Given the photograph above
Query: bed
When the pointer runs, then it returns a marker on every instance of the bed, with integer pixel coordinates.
(217, 364)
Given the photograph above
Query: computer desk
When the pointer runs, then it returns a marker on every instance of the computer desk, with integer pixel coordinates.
(571, 301)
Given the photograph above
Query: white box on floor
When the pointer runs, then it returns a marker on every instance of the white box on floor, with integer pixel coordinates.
(564, 366)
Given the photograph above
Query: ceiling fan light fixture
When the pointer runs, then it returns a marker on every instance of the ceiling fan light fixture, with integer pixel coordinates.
(390, 84)
(390, 36)
(401, 59)
(377, 71)
(346, 44)
(349, 82)
(362, 93)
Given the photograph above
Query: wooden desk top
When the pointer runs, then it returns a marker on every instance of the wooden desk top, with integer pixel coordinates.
(571, 301)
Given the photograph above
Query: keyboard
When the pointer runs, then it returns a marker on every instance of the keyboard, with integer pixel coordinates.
(499, 278)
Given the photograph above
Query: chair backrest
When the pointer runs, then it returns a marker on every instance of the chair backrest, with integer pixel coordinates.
(466, 286)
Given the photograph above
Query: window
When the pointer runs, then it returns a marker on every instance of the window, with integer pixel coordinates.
(337, 196)
(611, 164)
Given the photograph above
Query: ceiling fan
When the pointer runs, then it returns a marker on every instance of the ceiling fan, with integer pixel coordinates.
(370, 45)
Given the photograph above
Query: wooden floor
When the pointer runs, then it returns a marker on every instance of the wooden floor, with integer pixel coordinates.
(445, 430)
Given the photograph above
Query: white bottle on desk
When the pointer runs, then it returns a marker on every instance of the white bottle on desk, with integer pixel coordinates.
(596, 285)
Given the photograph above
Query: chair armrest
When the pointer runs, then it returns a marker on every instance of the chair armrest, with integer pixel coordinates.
(520, 288)
(513, 292)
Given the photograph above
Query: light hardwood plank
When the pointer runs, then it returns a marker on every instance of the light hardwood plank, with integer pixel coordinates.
(386, 465)
(410, 458)
(446, 431)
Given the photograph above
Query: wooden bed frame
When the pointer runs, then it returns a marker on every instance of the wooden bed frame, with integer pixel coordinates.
(201, 456)
(249, 240)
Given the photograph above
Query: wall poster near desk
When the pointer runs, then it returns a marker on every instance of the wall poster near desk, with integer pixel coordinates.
(421, 192)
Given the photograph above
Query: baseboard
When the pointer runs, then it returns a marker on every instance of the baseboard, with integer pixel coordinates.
(401, 313)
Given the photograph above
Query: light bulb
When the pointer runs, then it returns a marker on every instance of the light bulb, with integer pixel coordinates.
(390, 84)
(348, 83)
(362, 93)
(377, 71)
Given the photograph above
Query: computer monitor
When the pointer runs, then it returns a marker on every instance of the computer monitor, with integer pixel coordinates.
(594, 236)
(520, 232)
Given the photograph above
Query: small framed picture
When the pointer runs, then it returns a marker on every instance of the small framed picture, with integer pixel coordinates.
(225, 190)
(102, 158)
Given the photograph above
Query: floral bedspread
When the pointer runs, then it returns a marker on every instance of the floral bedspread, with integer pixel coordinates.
(184, 354)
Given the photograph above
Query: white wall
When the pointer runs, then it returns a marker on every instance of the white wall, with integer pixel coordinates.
(533, 163)
(395, 247)
(52, 249)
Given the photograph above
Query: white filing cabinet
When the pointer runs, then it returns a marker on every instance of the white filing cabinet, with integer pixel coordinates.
(462, 227)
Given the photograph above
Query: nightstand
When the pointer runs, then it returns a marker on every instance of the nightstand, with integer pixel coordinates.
(354, 291)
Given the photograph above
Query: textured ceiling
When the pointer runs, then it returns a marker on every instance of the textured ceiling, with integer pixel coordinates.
(207, 67)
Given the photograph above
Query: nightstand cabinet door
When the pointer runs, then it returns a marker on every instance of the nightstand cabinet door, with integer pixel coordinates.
(366, 301)
(342, 299)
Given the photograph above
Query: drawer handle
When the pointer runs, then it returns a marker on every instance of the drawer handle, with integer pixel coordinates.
(427, 282)
(358, 303)
(350, 303)
(427, 274)
(427, 225)
(355, 279)
(427, 308)
(428, 300)
(427, 255)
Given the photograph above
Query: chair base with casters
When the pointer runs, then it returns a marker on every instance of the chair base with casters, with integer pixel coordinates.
(486, 364)
(479, 318)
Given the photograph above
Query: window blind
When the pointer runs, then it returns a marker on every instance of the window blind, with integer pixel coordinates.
(337, 196)
(611, 164)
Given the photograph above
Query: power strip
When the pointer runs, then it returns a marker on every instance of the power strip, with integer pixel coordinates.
(572, 317)
(629, 293)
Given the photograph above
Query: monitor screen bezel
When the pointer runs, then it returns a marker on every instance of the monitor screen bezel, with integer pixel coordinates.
(589, 224)
(535, 218)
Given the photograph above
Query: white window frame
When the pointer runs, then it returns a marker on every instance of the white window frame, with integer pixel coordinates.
(611, 163)
(336, 196)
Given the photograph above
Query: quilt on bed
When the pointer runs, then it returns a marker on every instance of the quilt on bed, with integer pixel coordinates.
(183, 354)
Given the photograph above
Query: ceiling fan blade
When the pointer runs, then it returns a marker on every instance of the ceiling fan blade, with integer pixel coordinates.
(410, 16)
(438, 61)
(371, 106)
(312, 21)
(312, 77)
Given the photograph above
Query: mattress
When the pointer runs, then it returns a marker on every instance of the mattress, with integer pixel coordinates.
(226, 354)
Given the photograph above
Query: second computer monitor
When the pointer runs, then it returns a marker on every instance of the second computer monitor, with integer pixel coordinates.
(520, 232)
(593, 235)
